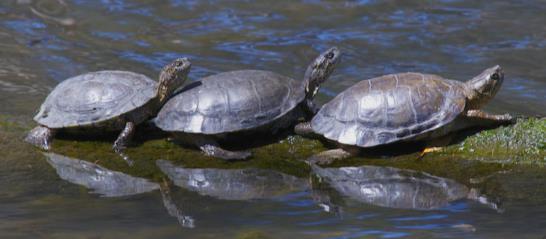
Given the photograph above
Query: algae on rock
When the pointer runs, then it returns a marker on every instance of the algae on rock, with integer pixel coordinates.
(523, 142)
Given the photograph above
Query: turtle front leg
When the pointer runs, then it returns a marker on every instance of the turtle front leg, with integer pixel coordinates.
(211, 148)
(124, 137)
(41, 136)
(329, 156)
(482, 118)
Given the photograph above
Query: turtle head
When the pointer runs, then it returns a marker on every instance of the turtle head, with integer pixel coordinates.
(483, 87)
(318, 71)
(172, 77)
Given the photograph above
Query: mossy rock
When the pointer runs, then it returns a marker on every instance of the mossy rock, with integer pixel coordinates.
(523, 142)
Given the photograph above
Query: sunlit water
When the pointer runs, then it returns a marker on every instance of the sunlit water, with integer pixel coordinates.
(44, 42)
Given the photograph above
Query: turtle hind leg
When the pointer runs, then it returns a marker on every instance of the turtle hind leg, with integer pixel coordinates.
(211, 148)
(329, 156)
(41, 136)
(217, 152)
(124, 137)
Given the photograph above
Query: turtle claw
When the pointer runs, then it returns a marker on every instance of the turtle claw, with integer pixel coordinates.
(508, 118)
(514, 119)
(120, 150)
(126, 158)
(119, 147)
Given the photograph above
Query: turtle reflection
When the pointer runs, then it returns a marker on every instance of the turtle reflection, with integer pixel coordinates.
(233, 184)
(100, 180)
(109, 183)
(397, 188)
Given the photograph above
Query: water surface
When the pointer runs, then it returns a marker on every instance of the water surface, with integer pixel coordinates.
(43, 42)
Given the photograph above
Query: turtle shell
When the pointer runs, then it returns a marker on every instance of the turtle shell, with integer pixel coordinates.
(390, 108)
(230, 101)
(94, 97)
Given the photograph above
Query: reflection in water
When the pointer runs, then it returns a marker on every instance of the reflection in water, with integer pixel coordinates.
(233, 184)
(109, 183)
(100, 180)
(397, 188)
(173, 209)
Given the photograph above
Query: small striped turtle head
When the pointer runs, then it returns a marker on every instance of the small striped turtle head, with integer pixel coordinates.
(172, 77)
(484, 86)
(319, 70)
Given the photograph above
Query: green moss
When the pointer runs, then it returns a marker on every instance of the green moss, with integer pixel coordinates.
(524, 142)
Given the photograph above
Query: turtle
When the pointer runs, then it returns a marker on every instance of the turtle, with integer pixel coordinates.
(397, 188)
(402, 107)
(108, 100)
(242, 102)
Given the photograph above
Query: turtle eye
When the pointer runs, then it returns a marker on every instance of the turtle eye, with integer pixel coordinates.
(495, 76)
(330, 55)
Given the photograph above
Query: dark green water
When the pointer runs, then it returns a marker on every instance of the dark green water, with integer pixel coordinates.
(44, 42)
